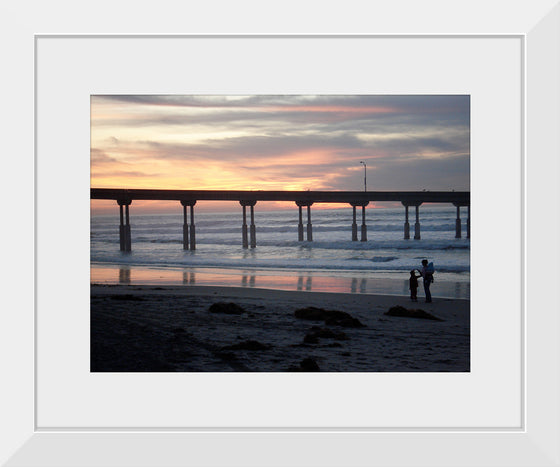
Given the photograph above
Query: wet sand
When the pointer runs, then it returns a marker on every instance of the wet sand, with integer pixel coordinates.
(449, 285)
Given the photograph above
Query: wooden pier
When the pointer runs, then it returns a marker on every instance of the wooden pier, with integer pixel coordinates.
(189, 198)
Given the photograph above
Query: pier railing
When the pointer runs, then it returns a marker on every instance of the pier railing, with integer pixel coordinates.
(189, 198)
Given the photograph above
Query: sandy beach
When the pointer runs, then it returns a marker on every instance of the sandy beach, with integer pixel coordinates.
(177, 328)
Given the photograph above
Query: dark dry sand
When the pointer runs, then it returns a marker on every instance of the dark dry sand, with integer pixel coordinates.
(158, 328)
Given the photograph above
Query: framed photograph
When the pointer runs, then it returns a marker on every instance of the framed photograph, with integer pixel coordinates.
(504, 410)
(253, 213)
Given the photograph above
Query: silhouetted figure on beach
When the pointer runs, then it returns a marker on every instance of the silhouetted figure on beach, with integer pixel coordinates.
(413, 285)
(428, 276)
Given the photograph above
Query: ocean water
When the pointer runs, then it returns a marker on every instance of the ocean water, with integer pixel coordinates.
(331, 262)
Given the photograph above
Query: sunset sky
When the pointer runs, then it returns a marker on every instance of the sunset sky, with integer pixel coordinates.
(279, 143)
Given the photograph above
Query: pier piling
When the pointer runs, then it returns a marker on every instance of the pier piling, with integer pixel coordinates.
(308, 204)
(185, 229)
(406, 223)
(121, 229)
(125, 238)
(245, 240)
(309, 225)
(300, 224)
(363, 227)
(192, 228)
(417, 224)
(458, 222)
(363, 238)
(252, 230)
(354, 225)
(188, 233)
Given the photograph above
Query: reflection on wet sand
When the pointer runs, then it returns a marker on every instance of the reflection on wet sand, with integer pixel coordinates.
(308, 281)
(248, 279)
(124, 276)
(358, 286)
(189, 278)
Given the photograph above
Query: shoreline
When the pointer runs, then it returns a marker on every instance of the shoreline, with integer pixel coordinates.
(451, 286)
(142, 328)
(264, 293)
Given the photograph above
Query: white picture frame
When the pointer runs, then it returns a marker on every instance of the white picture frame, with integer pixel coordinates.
(533, 442)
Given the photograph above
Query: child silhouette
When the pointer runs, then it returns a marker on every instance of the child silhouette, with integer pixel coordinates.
(413, 281)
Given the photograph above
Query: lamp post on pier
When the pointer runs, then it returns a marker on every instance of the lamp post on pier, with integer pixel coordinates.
(365, 175)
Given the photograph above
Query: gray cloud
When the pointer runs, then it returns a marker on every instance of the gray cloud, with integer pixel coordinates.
(246, 148)
(408, 103)
(345, 145)
(100, 157)
(412, 174)
(409, 142)
(410, 111)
